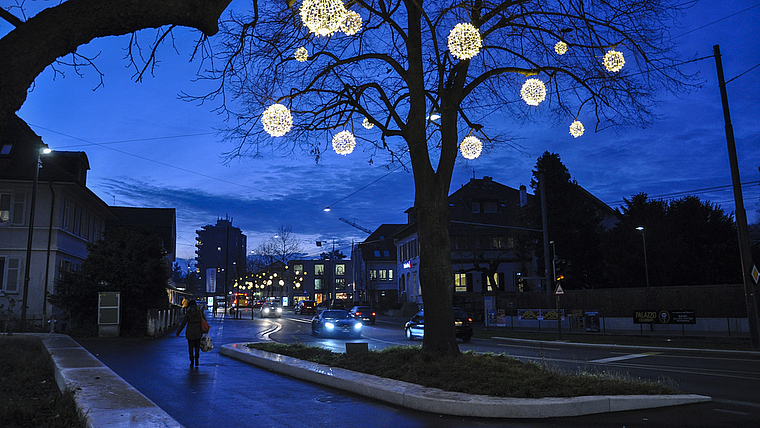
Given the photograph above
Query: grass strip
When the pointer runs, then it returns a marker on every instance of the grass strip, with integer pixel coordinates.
(31, 397)
(495, 375)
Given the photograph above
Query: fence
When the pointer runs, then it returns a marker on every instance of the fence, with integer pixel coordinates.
(161, 321)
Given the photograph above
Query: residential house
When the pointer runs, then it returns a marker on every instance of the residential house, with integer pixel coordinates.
(375, 266)
(67, 217)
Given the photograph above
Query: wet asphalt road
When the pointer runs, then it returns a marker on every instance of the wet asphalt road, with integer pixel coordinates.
(224, 392)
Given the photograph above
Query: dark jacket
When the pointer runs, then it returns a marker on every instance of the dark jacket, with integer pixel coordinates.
(192, 319)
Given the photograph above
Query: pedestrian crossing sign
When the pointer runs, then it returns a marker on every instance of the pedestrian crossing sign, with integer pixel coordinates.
(559, 290)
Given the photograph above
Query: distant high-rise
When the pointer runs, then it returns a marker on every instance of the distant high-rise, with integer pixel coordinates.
(220, 256)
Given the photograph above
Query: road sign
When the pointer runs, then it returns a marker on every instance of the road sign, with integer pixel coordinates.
(559, 290)
(755, 273)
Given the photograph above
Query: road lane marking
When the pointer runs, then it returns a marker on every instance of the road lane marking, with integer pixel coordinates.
(625, 357)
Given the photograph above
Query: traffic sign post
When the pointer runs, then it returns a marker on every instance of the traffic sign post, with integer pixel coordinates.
(558, 292)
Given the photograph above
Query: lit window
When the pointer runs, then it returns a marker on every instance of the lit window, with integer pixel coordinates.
(460, 282)
(390, 274)
(319, 269)
(340, 269)
(317, 284)
(372, 274)
(382, 275)
(340, 283)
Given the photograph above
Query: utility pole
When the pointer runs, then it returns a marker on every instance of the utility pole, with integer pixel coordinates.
(545, 221)
(741, 215)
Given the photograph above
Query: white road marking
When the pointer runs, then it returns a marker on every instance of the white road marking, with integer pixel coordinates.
(624, 357)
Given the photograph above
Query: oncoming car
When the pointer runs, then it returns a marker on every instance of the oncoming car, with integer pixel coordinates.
(270, 310)
(415, 327)
(334, 322)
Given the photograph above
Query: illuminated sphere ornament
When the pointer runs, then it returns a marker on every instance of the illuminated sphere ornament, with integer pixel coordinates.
(301, 54)
(533, 91)
(464, 41)
(343, 143)
(560, 48)
(351, 24)
(470, 147)
(614, 61)
(576, 129)
(323, 17)
(277, 120)
(367, 124)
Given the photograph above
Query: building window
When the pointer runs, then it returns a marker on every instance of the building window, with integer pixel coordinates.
(298, 269)
(317, 284)
(12, 207)
(319, 270)
(5, 207)
(382, 275)
(499, 282)
(10, 272)
(5, 149)
(386, 253)
(499, 243)
(460, 282)
(377, 253)
(490, 207)
(340, 269)
(390, 274)
(340, 284)
(372, 274)
(476, 207)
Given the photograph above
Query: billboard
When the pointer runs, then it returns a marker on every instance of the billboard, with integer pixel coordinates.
(211, 280)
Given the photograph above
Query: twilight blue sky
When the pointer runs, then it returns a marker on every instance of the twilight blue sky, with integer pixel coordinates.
(148, 148)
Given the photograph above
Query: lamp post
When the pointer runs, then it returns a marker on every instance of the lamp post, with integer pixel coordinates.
(644, 241)
(27, 268)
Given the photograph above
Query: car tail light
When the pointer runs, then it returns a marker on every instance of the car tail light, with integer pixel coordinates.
(373, 314)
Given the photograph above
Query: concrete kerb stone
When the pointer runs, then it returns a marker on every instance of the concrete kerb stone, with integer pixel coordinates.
(445, 402)
(102, 397)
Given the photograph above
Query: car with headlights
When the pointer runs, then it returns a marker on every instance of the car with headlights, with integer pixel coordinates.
(365, 314)
(305, 307)
(415, 327)
(335, 322)
(270, 310)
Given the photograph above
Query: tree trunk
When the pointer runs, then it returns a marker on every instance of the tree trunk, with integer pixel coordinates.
(60, 30)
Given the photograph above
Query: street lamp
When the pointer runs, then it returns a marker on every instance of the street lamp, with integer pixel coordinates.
(644, 241)
(25, 303)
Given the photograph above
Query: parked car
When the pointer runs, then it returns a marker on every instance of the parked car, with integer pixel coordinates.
(337, 304)
(415, 327)
(364, 314)
(333, 322)
(270, 310)
(306, 307)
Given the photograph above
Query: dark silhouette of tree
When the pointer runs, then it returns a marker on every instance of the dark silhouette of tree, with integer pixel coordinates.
(57, 31)
(574, 224)
(398, 71)
(688, 242)
(127, 260)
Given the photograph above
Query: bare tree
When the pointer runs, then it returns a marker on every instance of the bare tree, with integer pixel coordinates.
(398, 71)
(52, 37)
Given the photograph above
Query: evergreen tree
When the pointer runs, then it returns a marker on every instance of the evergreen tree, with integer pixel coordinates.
(574, 224)
(127, 260)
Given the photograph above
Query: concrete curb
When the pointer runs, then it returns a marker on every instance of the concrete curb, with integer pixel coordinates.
(102, 397)
(449, 403)
(632, 347)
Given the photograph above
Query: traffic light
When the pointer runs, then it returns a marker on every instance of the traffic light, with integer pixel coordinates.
(559, 268)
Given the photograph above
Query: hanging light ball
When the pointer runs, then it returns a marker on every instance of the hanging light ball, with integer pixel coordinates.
(576, 129)
(323, 17)
(301, 54)
(614, 61)
(277, 120)
(533, 91)
(351, 24)
(470, 147)
(367, 124)
(560, 48)
(343, 143)
(464, 41)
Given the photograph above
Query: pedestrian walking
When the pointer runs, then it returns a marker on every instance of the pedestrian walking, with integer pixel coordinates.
(192, 319)
(216, 307)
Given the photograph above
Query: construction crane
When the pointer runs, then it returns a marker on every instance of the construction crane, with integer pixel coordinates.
(353, 223)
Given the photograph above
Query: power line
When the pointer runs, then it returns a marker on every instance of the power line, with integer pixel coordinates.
(716, 21)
